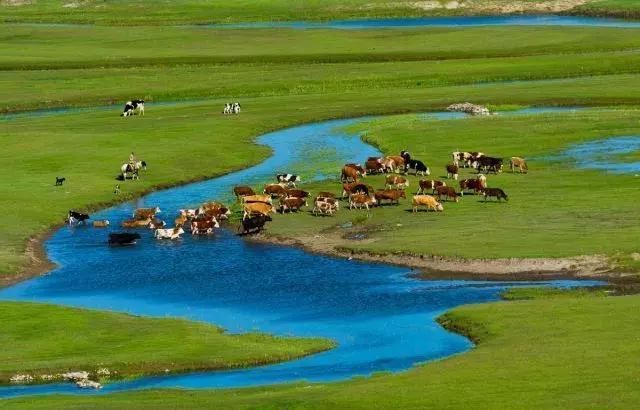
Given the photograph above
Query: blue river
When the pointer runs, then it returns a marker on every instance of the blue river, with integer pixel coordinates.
(382, 318)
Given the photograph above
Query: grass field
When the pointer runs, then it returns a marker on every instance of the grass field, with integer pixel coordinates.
(46, 339)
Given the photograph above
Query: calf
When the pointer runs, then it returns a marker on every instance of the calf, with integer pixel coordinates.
(417, 166)
(427, 201)
(495, 192)
(429, 184)
(452, 171)
(391, 195)
(254, 224)
(447, 192)
(292, 204)
(60, 181)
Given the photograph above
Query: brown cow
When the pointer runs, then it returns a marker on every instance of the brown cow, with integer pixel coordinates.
(275, 190)
(396, 181)
(374, 166)
(351, 172)
(427, 201)
(241, 190)
(452, 171)
(258, 208)
(430, 184)
(257, 198)
(101, 224)
(398, 162)
(297, 193)
(360, 201)
(447, 192)
(324, 194)
(391, 195)
(355, 187)
(144, 213)
(520, 163)
(477, 184)
(292, 204)
(136, 223)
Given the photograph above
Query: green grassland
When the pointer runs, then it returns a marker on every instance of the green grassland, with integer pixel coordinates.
(47, 340)
(139, 12)
(549, 352)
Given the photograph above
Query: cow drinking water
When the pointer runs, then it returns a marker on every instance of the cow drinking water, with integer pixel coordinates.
(133, 107)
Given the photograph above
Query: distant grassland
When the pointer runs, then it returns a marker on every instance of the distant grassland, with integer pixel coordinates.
(46, 339)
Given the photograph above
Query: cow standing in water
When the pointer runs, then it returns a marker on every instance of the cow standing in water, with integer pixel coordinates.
(133, 107)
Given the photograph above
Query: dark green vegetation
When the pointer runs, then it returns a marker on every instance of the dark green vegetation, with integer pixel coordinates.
(139, 12)
(41, 339)
(544, 353)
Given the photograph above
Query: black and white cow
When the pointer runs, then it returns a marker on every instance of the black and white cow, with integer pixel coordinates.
(133, 107)
(417, 166)
(232, 108)
(288, 179)
(77, 217)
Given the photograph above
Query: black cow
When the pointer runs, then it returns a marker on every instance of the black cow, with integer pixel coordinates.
(495, 192)
(133, 107)
(60, 180)
(78, 217)
(489, 164)
(289, 179)
(123, 238)
(254, 224)
(418, 167)
(406, 156)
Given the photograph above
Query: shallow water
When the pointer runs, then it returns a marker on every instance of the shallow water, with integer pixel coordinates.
(382, 319)
(605, 154)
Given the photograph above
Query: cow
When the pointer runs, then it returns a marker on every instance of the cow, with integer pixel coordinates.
(171, 233)
(77, 217)
(355, 187)
(254, 224)
(297, 193)
(288, 179)
(123, 238)
(143, 213)
(398, 162)
(218, 213)
(257, 208)
(520, 163)
(476, 185)
(396, 181)
(391, 195)
(374, 166)
(406, 156)
(418, 167)
(101, 224)
(240, 191)
(275, 190)
(231, 108)
(429, 184)
(257, 198)
(209, 206)
(488, 164)
(452, 171)
(427, 201)
(157, 223)
(447, 192)
(292, 204)
(325, 194)
(180, 220)
(188, 213)
(330, 200)
(136, 223)
(132, 169)
(465, 159)
(116, 189)
(360, 201)
(60, 181)
(325, 206)
(495, 192)
(352, 172)
(204, 226)
(133, 107)
(389, 164)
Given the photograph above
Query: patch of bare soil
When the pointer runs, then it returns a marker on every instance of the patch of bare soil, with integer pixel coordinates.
(36, 261)
(483, 6)
(16, 3)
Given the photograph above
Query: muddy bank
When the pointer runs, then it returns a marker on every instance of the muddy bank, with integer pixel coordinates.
(437, 267)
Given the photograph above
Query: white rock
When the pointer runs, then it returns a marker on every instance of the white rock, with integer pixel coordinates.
(47, 376)
(21, 378)
(75, 376)
(469, 108)
(88, 384)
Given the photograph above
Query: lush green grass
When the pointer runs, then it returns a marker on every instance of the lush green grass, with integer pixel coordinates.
(614, 8)
(542, 353)
(554, 211)
(138, 12)
(40, 339)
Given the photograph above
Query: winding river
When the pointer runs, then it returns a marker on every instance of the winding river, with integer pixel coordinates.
(382, 318)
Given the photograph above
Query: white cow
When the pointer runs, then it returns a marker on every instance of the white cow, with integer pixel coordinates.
(172, 233)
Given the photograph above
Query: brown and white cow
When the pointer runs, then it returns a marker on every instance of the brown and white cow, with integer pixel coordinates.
(297, 193)
(359, 201)
(275, 190)
(476, 185)
(324, 206)
(292, 204)
(394, 181)
(143, 213)
(398, 162)
(429, 184)
(452, 171)
(447, 192)
(427, 201)
(257, 198)
(204, 226)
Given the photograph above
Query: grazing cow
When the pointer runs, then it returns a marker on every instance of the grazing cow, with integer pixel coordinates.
(452, 171)
(297, 193)
(495, 192)
(157, 223)
(396, 181)
(257, 198)
(427, 201)
(77, 217)
(447, 192)
(391, 195)
(275, 190)
(488, 164)
(352, 172)
(136, 223)
(133, 107)
(406, 156)
(324, 194)
(476, 185)
(116, 190)
(389, 164)
(101, 224)
(240, 191)
(325, 206)
(429, 184)
(397, 162)
(123, 238)
(257, 208)
(374, 166)
(288, 179)
(360, 201)
(465, 159)
(292, 204)
(520, 163)
(417, 166)
(133, 170)
(171, 233)
(60, 181)
(254, 224)
(143, 213)
(204, 226)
